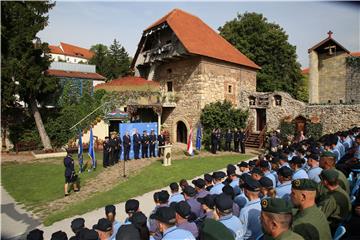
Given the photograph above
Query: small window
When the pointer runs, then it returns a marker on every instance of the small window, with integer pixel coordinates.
(277, 99)
(329, 101)
(125, 109)
(230, 90)
(169, 70)
(352, 100)
(169, 86)
(252, 100)
(341, 101)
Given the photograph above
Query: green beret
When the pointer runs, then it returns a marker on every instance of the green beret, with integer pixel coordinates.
(328, 154)
(276, 205)
(304, 184)
(330, 175)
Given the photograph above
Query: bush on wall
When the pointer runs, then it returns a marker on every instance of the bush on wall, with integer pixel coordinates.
(314, 130)
(286, 129)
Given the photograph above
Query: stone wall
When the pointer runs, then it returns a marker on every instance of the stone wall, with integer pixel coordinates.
(332, 77)
(335, 117)
(352, 85)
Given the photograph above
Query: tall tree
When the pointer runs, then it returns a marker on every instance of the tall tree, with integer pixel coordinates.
(112, 62)
(23, 62)
(267, 45)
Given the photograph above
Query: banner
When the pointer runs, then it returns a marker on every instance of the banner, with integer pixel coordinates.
(80, 152)
(92, 150)
(190, 149)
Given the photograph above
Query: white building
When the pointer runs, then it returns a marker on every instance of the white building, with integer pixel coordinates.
(70, 53)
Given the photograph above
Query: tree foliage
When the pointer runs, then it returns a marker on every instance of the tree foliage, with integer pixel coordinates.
(267, 45)
(23, 62)
(112, 62)
(221, 115)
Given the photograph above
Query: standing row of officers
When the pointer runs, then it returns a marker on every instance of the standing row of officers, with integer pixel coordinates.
(145, 143)
(238, 136)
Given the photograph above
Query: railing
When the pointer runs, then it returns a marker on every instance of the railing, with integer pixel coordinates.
(248, 129)
(262, 136)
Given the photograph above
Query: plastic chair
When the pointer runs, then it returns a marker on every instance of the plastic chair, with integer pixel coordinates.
(340, 231)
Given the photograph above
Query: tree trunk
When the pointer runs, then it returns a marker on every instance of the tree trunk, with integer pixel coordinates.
(40, 125)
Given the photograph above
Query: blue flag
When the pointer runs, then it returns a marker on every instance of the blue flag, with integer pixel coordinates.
(198, 138)
(80, 152)
(92, 150)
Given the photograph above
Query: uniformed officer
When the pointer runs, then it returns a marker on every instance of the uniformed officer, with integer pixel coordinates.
(183, 212)
(242, 138)
(309, 221)
(265, 168)
(208, 205)
(127, 146)
(214, 142)
(276, 219)
(224, 204)
(228, 190)
(236, 140)
(106, 149)
(315, 170)
(118, 148)
(228, 140)
(296, 165)
(250, 213)
(200, 187)
(166, 218)
(137, 144)
(241, 199)
(70, 175)
(336, 203)
(218, 185)
(131, 207)
(103, 228)
(283, 190)
(209, 181)
(233, 179)
(144, 145)
(190, 198)
(112, 149)
(152, 139)
(266, 188)
(161, 199)
(110, 213)
(218, 139)
(161, 142)
(243, 167)
(175, 195)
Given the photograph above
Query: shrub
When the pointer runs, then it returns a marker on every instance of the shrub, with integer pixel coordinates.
(314, 130)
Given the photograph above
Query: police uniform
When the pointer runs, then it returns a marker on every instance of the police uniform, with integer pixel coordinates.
(228, 139)
(299, 174)
(284, 190)
(279, 206)
(194, 204)
(137, 144)
(127, 146)
(118, 149)
(217, 188)
(70, 176)
(144, 145)
(311, 222)
(236, 141)
(161, 140)
(106, 152)
(250, 213)
(224, 204)
(183, 209)
(152, 139)
(176, 197)
(167, 215)
(314, 173)
(336, 203)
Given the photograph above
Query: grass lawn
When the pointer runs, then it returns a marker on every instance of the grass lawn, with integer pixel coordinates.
(148, 179)
(36, 183)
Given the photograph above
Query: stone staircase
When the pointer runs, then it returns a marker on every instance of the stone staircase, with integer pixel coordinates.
(253, 140)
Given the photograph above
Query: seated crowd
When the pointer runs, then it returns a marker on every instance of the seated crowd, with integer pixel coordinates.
(303, 191)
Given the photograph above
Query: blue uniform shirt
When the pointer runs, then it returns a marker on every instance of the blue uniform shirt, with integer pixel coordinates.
(241, 200)
(272, 177)
(217, 188)
(314, 174)
(250, 220)
(176, 197)
(202, 194)
(299, 173)
(195, 207)
(174, 233)
(233, 224)
(235, 185)
(189, 226)
(116, 226)
(284, 190)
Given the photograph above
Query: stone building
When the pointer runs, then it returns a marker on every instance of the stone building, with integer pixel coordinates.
(194, 66)
(331, 78)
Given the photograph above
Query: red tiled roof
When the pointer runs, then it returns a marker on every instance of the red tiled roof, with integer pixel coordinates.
(55, 49)
(129, 82)
(76, 51)
(355, 54)
(305, 71)
(198, 38)
(69, 74)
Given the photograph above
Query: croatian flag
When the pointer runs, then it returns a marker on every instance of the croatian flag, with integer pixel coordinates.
(91, 149)
(80, 152)
(190, 149)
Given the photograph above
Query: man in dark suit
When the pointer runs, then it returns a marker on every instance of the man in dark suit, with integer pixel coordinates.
(236, 140)
(152, 139)
(161, 141)
(214, 141)
(137, 144)
(118, 148)
(112, 149)
(242, 138)
(228, 140)
(127, 145)
(144, 144)
(106, 149)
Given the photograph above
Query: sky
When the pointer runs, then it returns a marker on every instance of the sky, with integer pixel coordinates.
(306, 23)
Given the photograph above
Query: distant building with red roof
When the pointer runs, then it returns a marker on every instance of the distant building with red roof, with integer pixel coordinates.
(332, 79)
(70, 53)
(194, 66)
